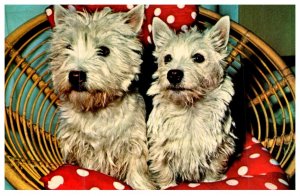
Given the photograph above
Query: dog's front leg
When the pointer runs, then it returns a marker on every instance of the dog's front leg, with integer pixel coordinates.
(138, 174)
(162, 174)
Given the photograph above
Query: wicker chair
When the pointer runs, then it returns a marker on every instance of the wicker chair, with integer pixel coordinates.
(31, 148)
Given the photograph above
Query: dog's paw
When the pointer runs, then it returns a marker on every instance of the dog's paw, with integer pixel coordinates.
(215, 178)
(143, 186)
(163, 187)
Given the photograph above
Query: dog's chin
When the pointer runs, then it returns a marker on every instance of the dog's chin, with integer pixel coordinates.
(84, 100)
(183, 96)
(80, 88)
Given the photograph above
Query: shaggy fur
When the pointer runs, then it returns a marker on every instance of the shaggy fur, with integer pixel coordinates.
(190, 129)
(94, 59)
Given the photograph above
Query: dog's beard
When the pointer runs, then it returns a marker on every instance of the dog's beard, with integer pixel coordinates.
(91, 101)
(181, 95)
(88, 100)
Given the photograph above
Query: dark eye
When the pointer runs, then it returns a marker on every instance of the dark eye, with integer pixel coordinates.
(167, 58)
(103, 51)
(68, 46)
(198, 58)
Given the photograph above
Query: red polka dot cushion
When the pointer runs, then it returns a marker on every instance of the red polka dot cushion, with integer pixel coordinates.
(255, 169)
(178, 17)
(70, 177)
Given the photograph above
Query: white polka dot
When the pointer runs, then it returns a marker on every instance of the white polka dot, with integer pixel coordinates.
(55, 182)
(264, 149)
(243, 170)
(48, 12)
(274, 162)
(149, 40)
(71, 8)
(254, 155)
(270, 186)
(282, 181)
(170, 19)
(247, 176)
(184, 28)
(149, 28)
(263, 174)
(194, 14)
(180, 6)
(130, 6)
(119, 186)
(248, 147)
(95, 188)
(82, 172)
(157, 11)
(255, 140)
(147, 6)
(232, 182)
(193, 185)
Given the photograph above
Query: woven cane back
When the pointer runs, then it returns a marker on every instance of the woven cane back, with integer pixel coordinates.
(31, 113)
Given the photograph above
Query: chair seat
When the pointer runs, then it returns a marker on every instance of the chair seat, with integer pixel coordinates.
(254, 169)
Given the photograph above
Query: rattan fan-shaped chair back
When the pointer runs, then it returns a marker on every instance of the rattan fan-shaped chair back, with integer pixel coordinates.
(31, 114)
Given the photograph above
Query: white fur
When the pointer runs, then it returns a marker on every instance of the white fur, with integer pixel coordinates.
(190, 133)
(111, 140)
(103, 126)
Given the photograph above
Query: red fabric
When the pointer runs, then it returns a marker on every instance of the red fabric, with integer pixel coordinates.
(254, 170)
(178, 17)
(70, 177)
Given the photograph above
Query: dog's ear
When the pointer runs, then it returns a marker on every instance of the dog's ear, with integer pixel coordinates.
(135, 18)
(219, 33)
(59, 14)
(161, 32)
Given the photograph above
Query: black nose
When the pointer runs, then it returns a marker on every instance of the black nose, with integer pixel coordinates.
(77, 79)
(175, 76)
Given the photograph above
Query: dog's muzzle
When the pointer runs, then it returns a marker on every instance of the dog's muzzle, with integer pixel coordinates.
(175, 76)
(77, 80)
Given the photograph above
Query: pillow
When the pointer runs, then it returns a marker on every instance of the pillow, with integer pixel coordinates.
(71, 177)
(254, 169)
(178, 17)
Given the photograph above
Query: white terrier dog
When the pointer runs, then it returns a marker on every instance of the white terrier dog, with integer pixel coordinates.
(190, 129)
(94, 59)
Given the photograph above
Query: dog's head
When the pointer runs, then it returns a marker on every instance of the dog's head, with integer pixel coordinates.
(190, 64)
(95, 57)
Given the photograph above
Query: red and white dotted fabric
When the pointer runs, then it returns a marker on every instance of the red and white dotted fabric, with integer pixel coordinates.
(70, 177)
(178, 17)
(255, 169)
